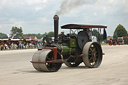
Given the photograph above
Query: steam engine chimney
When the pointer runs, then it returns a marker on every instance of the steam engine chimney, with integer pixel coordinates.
(56, 20)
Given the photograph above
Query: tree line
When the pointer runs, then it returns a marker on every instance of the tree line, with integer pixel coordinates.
(17, 32)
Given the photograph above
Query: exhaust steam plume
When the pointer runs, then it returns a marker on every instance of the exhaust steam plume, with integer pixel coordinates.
(68, 5)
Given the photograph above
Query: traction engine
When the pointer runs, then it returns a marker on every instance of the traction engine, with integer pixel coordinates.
(69, 49)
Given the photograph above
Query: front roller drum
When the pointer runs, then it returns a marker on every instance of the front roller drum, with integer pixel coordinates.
(41, 57)
(92, 52)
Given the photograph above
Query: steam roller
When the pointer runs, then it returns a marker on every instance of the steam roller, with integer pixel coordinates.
(69, 49)
(44, 63)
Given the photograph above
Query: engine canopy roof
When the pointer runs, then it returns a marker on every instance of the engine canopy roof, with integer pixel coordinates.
(80, 26)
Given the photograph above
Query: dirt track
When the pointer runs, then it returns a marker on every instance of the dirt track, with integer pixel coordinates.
(16, 69)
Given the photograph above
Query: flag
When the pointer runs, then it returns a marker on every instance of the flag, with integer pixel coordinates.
(104, 35)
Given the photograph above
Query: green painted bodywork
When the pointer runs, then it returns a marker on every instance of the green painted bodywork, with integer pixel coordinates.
(72, 43)
(70, 48)
(67, 51)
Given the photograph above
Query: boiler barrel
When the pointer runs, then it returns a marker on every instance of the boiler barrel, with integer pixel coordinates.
(67, 51)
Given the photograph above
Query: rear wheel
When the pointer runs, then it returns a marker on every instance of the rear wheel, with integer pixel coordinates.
(92, 54)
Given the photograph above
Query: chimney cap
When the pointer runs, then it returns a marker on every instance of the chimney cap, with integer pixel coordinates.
(56, 17)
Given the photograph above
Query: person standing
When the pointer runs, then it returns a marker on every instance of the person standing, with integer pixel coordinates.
(6, 46)
(2, 46)
(89, 33)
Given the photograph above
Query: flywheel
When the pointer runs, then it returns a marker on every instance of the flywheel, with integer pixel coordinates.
(82, 39)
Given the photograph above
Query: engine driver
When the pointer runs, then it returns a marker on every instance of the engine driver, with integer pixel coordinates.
(89, 33)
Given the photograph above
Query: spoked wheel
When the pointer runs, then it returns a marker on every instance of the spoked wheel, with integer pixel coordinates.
(72, 64)
(92, 54)
(43, 56)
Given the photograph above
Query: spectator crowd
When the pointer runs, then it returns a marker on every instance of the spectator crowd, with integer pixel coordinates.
(20, 45)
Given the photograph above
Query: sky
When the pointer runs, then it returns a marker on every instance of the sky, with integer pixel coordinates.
(36, 16)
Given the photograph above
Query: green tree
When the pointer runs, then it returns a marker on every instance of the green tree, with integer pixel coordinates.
(51, 34)
(120, 31)
(39, 36)
(3, 36)
(29, 35)
(16, 32)
(44, 34)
